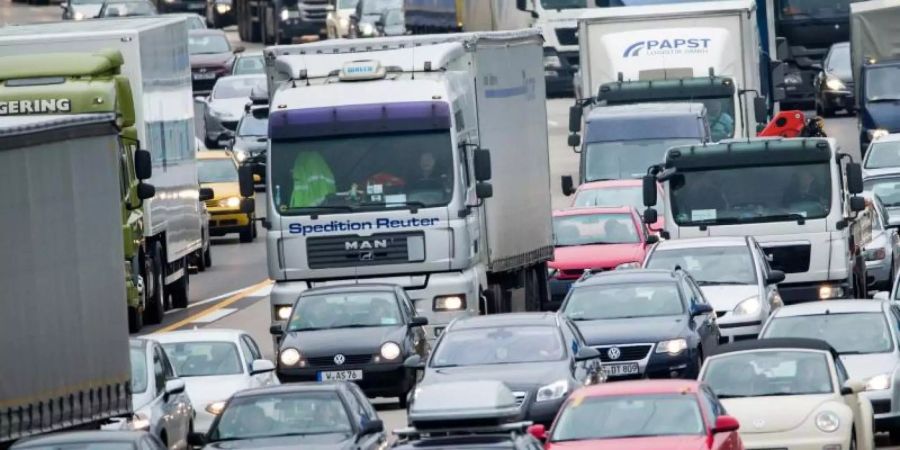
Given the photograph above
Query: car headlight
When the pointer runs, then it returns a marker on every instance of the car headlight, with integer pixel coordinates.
(672, 346)
(828, 421)
(290, 357)
(793, 78)
(366, 29)
(449, 302)
(230, 202)
(140, 421)
(835, 84)
(877, 133)
(390, 350)
(748, 306)
(875, 254)
(222, 8)
(629, 265)
(285, 14)
(552, 62)
(878, 382)
(553, 391)
(78, 15)
(283, 312)
(215, 408)
(827, 291)
(240, 155)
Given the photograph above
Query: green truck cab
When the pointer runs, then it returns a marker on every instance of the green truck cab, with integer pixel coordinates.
(90, 83)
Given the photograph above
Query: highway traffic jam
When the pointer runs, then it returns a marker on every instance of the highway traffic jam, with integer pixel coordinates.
(454, 224)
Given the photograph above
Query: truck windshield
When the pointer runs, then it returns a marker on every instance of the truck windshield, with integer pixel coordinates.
(813, 9)
(563, 4)
(887, 189)
(751, 194)
(719, 112)
(626, 159)
(347, 4)
(610, 3)
(881, 84)
(365, 171)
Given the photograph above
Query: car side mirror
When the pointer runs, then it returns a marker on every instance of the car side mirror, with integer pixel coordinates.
(568, 185)
(587, 353)
(245, 179)
(145, 191)
(538, 432)
(372, 427)
(143, 165)
(418, 321)
(882, 295)
(775, 277)
(206, 194)
(760, 109)
(196, 439)
(700, 309)
(652, 239)
(482, 164)
(725, 424)
(261, 366)
(276, 330)
(175, 386)
(649, 190)
(650, 216)
(854, 178)
(484, 190)
(857, 204)
(414, 362)
(248, 205)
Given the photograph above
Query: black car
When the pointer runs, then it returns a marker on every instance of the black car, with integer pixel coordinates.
(358, 332)
(374, 18)
(324, 416)
(541, 356)
(211, 57)
(834, 83)
(645, 323)
(251, 137)
(170, 6)
(107, 440)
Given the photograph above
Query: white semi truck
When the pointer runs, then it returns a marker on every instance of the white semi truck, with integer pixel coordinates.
(422, 161)
(156, 63)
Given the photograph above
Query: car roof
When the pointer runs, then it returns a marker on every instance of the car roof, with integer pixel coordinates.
(198, 335)
(358, 287)
(831, 307)
(629, 276)
(590, 210)
(214, 154)
(207, 32)
(893, 137)
(506, 320)
(245, 76)
(775, 343)
(79, 436)
(703, 242)
(291, 388)
(640, 387)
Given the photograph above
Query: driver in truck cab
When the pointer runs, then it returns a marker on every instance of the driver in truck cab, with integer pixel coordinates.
(721, 125)
(804, 188)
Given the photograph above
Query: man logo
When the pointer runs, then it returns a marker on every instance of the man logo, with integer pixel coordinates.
(365, 245)
(339, 359)
(614, 353)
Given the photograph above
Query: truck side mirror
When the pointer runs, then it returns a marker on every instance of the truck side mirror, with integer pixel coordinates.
(857, 204)
(260, 113)
(854, 178)
(575, 112)
(522, 5)
(245, 179)
(484, 190)
(649, 185)
(143, 165)
(650, 216)
(760, 109)
(482, 164)
(574, 141)
(145, 191)
(248, 205)
(568, 185)
(206, 194)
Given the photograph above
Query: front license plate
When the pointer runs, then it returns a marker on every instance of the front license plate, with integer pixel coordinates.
(341, 375)
(204, 76)
(618, 370)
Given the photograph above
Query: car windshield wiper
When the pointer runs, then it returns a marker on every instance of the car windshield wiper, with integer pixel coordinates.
(884, 99)
(315, 210)
(356, 325)
(412, 205)
(719, 283)
(732, 396)
(781, 394)
(290, 330)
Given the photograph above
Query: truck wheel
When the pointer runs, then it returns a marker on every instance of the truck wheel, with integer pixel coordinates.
(207, 256)
(181, 289)
(200, 261)
(155, 306)
(135, 319)
(533, 297)
(247, 234)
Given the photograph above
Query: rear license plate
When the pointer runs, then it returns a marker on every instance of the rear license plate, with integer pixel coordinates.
(204, 76)
(341, 375)
(618, 370)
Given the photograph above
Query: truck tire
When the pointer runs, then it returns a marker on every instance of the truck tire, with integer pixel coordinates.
(135, 319)
(498, 298)
(155, 307)
(247, 234)
(533, 297)
(180, 290)
(207, 256)
(200, 260)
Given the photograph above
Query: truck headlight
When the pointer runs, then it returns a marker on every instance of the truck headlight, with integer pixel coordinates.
(450, 302)
(230, 202)
(222, 8)
(78, 15)
(793, 78)
(877, 133)
(826, 292)
(835, 84)
(215, 408)
(553, 391)
(552, 62)
(344, 22)
(390, 350)
(748, 306)
(290, 357)
(828, 421)
(285, 15)
(878, 382)
(672, 346)
(283, 312)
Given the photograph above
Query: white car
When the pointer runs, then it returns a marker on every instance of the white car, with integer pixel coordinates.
(883, 251)
(733, 274)
(790, 393)
(225, 106)
(214, 364)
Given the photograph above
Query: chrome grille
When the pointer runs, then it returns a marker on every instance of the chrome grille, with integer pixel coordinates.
(352, 251)
(520, 397)
(328, 361)
(634, 352)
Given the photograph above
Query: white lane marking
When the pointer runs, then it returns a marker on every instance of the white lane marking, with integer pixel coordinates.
(215, 315)
(262, 292)
(256, 293)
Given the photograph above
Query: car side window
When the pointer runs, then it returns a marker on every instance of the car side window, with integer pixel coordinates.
(366, 409)
(711, 403)
(693, 292)
(247, 351)
(168, 368)
(356, 410)
(404, 307)
(159, 372)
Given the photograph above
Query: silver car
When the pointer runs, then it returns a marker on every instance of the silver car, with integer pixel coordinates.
(733, 274)
(865, 333)
(883, 251)
(225, 106)
(881, 172)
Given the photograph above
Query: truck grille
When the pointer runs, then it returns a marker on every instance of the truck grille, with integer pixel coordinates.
(789, 258)
(377, 249)
(626, 352)
(313, 10)
(328, 361)
(567, 36)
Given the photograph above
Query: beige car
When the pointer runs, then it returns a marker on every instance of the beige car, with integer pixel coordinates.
(791, 394)
(337, 22)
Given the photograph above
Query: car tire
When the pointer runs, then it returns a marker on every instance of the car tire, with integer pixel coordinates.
(246, 235)
(207, 256)
(210, 144)
(155, 307)
(180, 290)
(135, 319)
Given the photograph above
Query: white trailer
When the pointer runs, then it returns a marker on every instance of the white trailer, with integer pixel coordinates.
(472, 107)
(156, 63)
(62, 319)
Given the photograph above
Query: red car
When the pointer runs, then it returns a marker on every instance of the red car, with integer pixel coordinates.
(618, 193)
(642, 415)
(597, 239)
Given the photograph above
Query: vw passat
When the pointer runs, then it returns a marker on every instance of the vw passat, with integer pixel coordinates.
(790, 393)
(360, 332)
(645, 323)
(540, 356)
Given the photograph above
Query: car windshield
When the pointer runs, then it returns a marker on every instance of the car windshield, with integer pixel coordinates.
(621, 301)
(763, 373)
(249, 65)
(195, 22)
(618, 160)
(208, 44)
(849, 333)
(203, 359)
(838, 62)
(380, 6)
(282, 414)
(237, 87)
(563, 4)
(586, 229)
(371, 172)
(631, 416)
(613, 196)
(498, 345)
(345, 310)
(814, 9)
(887, 190)
(139, 375)
(883, 154)
(754, 194)
(85, 446)
(127, 9)
(881, 84)
(219, 170)
(708, 265)
(252, 126)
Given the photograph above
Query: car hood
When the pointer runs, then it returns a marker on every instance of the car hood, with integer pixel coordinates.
(725, 297)
(211, 59)
(205, 390)
(90, 10)
(223, 190)
(233, 108)
(636, 330)
(696, 442)
(521, 376)
(252, 144)
(774, 414)
(311, 442)
(598, 256)
(886, 172)
(349, 341)
(863, 367)
(882, 115)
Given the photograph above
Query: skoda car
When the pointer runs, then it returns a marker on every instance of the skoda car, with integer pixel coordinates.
(358, 332)
(645, 323)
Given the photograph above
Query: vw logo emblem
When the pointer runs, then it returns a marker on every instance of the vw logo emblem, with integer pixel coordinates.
(339, 359)
(759, 423)
(614, 353)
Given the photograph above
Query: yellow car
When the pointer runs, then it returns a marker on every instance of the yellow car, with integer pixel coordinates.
(218, 170)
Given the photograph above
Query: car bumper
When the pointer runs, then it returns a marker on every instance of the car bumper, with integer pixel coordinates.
(215, 127)
(227, 222)
(838, 99)
(878, 273)
(544, 412)
(806, 292)
(378, 380)
(789, 440)
(738, 328)
(887, 415)
(202, 419)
